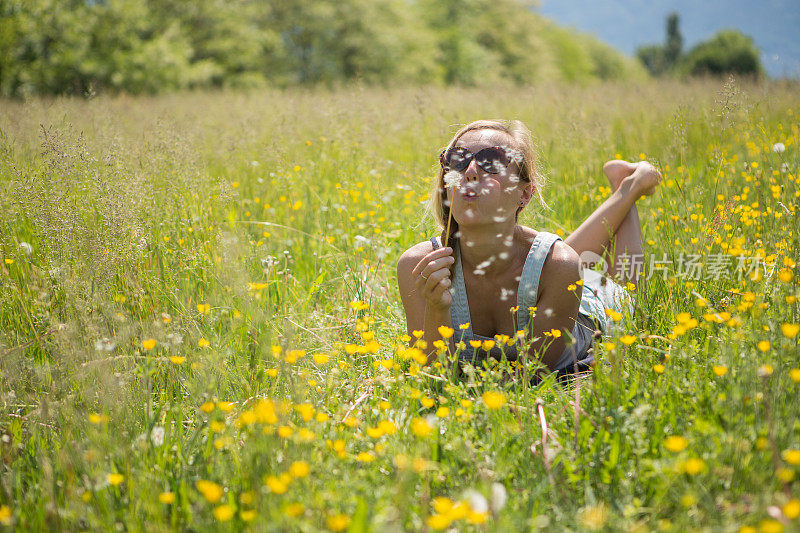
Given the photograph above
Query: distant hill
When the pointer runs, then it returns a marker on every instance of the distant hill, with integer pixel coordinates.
(774, 25)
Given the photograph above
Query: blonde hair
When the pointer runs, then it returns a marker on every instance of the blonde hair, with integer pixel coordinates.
(529, 169)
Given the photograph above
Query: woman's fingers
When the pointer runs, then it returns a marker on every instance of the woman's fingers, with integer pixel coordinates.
(436, 265)
(432, 256)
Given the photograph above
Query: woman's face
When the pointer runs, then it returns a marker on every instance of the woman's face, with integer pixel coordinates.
(482, 198)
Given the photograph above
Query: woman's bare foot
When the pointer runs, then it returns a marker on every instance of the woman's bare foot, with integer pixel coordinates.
(617, 170)
(645, 178)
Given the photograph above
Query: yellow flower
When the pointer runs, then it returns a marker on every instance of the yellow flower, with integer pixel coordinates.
(474, 517)
(627, 340)
(204, 309)
(207, 407)
(321, 358)
(5, 515)
(763, 346)
(438, 521)
(658, 369)
(97, 419)
(792, 509)
(225, 407)
(795, 374)
(223, 513)
(446, 332)
(792, 457)
(177, 360)
(365, 457)
(488, 345)
(764, 371)
(720, 370)
(421, 428)
(247, 515)
(275, 485)
(675, 443)
(769, 525)
(785, 475)
(149, 344)
(299, 469)
(442, 412)
(593, 517)
(295, 509)
(494, 400)
(166, 497)
(115, 479)
(790, 330)
(427, 402)
(210, 490)
(693, 466)
(555, 333)
(203, 343)
(338, 522)
(285, 432)
(358, 305)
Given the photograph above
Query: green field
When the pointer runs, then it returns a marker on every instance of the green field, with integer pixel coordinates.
(200, 326)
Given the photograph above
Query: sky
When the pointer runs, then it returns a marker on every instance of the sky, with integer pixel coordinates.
(774, 25)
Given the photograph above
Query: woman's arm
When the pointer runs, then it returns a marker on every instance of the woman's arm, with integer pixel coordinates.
(423, 277)
(557, 306)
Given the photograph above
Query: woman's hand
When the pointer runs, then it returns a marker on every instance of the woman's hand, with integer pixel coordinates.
(432, 278)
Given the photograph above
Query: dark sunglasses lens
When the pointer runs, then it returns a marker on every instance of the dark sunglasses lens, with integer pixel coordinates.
(458, 159)
(493, 160)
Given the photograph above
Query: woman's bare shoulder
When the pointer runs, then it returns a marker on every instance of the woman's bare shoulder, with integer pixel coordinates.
(409, 259)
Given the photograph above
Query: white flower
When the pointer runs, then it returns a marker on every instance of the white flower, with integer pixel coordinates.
(477, 502)
(104, 345)
(499, 496)
(157, 436)
(452, 179)
(778, 148)
(26, 248)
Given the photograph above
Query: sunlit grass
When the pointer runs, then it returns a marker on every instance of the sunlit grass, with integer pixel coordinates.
(200, 326)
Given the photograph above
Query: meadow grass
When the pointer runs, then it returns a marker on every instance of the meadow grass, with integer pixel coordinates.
(200, 326)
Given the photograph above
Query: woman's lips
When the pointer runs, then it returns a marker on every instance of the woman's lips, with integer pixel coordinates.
(470, 195)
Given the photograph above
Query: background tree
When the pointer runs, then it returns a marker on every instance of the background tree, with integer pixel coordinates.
(727, 52)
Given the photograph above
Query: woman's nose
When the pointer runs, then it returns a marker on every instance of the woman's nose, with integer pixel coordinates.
(472, 171)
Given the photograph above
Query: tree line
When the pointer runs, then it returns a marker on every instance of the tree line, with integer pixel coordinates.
(727, 52)
(147, 46)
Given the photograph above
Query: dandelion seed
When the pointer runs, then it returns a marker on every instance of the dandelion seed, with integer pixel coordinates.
(778, 148)
(26, 248)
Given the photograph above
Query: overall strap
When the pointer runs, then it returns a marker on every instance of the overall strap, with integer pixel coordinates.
(528, 291)
(459, 308)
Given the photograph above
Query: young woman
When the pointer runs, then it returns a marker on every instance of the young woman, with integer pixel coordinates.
(486, 275)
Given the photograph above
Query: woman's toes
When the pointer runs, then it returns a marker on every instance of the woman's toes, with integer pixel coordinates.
(617, 170)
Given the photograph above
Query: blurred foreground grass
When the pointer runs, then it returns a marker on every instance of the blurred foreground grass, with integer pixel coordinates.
(199, 324)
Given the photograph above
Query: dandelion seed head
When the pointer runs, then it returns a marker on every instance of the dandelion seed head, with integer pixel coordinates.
(452, 179)
(778, 148)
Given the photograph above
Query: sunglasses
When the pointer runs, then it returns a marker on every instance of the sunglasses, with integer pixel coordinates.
(493, 160)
